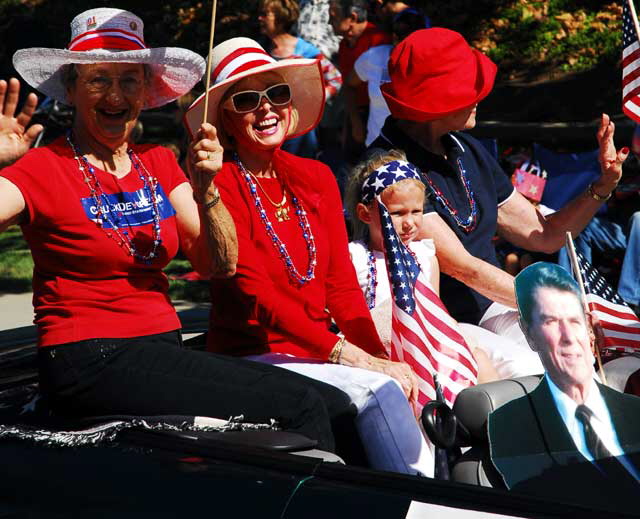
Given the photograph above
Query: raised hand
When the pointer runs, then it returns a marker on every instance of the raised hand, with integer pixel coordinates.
(205, 160)
(610, 159)
(15, 138)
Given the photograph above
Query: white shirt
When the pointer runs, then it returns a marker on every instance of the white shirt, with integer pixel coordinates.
(313, 26)
(423, 249)
(371, 67)
(601, 423)
(381, 313)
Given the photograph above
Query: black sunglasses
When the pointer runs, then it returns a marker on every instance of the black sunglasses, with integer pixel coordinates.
(249, 100)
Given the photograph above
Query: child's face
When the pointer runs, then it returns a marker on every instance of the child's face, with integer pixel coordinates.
(405, 205)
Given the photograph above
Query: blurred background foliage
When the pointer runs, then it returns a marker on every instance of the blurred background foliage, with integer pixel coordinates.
(529, 39)
(538, 39)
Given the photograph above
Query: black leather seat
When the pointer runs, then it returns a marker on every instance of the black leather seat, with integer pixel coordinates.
(466, 427)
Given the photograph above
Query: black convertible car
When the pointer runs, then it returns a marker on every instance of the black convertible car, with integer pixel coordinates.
(139, 471)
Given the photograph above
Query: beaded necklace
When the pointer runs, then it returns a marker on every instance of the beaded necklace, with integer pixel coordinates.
(281, 248)
(470, 222)
(103, 214)
(372, 276)
(372, 280)
(282, 211)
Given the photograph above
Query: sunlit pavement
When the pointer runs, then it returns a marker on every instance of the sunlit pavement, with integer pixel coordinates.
(15, 310)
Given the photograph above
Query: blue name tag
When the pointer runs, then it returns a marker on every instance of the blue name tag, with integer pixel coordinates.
(128, 209)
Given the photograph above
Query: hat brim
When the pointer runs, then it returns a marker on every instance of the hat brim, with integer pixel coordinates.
(424, 112)
(304, 77)
(174, 71)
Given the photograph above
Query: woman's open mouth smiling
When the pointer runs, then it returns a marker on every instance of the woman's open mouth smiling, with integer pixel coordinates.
(113, 114)
(267, 126)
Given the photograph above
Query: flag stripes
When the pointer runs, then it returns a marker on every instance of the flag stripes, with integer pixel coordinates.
(630, 63)
(620, 325)
(423, 334)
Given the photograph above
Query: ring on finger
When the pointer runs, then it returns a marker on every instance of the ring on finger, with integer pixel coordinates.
(209, 154)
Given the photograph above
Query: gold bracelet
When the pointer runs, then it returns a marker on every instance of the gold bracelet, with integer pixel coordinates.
(596, 196)
(334, 356)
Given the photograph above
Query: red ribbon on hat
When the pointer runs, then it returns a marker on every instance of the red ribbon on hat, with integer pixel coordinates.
(106, 39)
(242, 64)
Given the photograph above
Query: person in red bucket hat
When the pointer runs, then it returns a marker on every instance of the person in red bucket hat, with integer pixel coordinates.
(462, 76)
(436, 83)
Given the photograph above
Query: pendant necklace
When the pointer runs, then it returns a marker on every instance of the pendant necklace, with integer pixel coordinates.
(282, 211)
(294, 276)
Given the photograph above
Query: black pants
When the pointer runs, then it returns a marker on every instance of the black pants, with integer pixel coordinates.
(155, 375)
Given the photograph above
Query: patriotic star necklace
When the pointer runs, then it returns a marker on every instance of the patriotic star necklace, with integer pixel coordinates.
(294, 276)
(104, 217)
(372, 276)
(372, 280)
(471, 221)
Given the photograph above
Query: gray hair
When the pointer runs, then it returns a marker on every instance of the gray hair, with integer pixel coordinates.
(347, 7)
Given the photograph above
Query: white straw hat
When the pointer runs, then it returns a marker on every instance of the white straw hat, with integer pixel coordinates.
(111, 35)
(238, 58)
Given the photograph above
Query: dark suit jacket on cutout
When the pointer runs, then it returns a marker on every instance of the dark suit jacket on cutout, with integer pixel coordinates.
(533, 450)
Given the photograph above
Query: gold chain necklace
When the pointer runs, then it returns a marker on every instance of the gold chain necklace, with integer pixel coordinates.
(282, 212)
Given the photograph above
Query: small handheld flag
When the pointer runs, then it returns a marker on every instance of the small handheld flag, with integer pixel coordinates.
(630, 62)
(423, 334)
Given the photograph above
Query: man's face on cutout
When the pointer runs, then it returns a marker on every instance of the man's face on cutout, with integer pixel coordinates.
(559, 332)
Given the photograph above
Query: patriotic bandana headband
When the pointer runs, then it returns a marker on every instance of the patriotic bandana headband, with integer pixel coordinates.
(385, 176)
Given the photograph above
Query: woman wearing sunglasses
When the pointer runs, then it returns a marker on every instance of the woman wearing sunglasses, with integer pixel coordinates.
(294, 275)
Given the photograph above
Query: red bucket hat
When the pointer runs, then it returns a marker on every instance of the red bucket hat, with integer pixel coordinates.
(434, 73)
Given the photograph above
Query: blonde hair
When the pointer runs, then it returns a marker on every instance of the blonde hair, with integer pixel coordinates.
(357, 177)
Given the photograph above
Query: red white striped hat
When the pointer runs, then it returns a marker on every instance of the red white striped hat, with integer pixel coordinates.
(238, 58)
(106, 35)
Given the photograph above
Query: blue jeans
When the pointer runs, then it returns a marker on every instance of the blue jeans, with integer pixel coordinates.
(604, 235)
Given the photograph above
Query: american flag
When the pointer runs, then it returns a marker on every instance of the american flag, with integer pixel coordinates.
(423, 334)
(630, 63)
(620, 326)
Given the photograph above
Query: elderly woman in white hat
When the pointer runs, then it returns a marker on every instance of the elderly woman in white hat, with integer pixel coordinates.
(104, 216)
(294, 274)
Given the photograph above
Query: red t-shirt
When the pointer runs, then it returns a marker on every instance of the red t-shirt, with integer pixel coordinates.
(347, 56)
(84, 284)
(259, 310)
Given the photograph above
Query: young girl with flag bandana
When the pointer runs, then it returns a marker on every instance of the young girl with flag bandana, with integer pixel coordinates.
(389, 180)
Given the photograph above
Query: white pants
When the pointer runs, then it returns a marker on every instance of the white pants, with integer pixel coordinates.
(618, 371)
(388, 429)
(499, 335)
